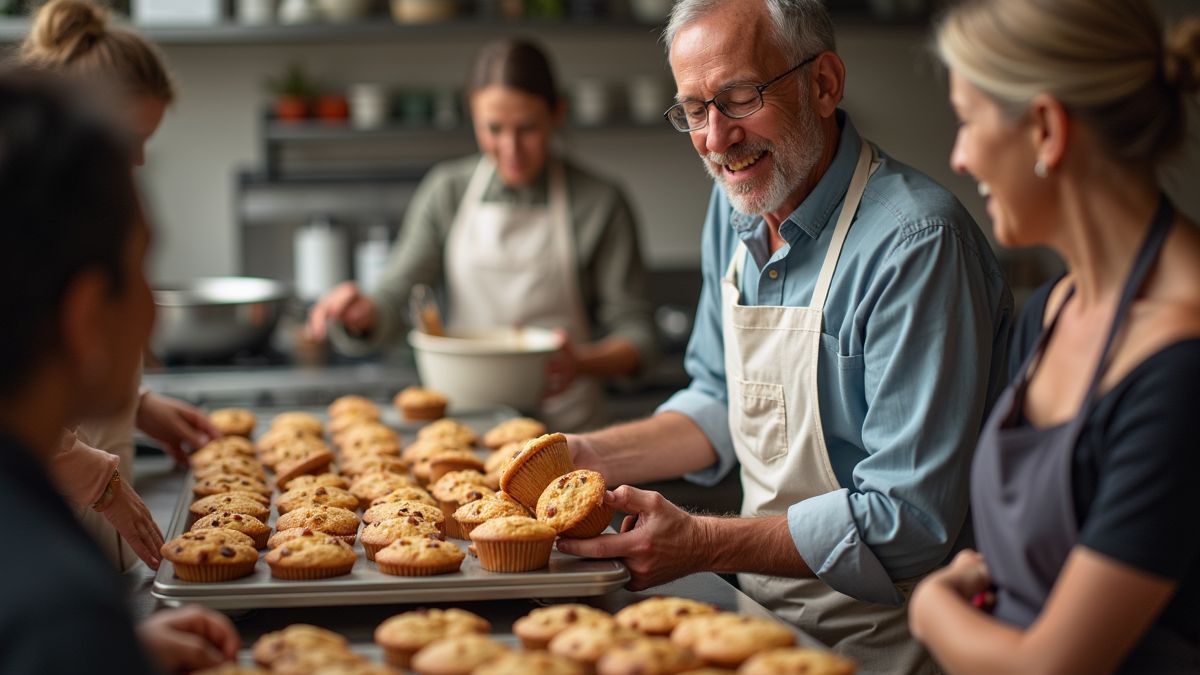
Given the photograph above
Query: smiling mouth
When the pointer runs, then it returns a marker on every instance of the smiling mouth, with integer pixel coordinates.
(744, 163)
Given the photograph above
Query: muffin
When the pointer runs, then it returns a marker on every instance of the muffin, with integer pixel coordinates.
(211, 555)
(328, 519)
(660, 615)
(273, 438)
(574, 505)
(251, 527)
(537, 628)
(220, 483)
(312, 460)
(233, 421)
(727, 639)
(368, 439)
(325, 661)
(529, 663)
(294, 450)
(371, 486)
(357, 466)
(299, 421)
(340, 423)
(585, 643)
(403, 635)
(539, 463)
(235, 465)
(322, 495)
(360, 667)
(222, 448)
(454, 490)
(797, 661)
(231, 669)
(404, 509)
(498, 460)
(315, 480)
(449, 430)
(457, 655)
(647, 655)
(405, 494)
(419, 556)
(235, 502)
(517, 429)
(312, 555)
(455, 461)
(297, 637)
(418, 403)
(497, 505)
(513, 544)
(426, 447)
(352, 405)
(376, 536)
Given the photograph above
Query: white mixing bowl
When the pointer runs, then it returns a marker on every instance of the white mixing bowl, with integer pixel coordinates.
(504, 366)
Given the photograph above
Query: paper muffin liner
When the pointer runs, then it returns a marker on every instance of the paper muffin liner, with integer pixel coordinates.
(372, 549)
(210, 573)
(301, 573)
(527, 481)
(513, 555)
(415, 570)
(450, 526)
(398, 658)
(423, 412)
(466, 528)
(592, 524)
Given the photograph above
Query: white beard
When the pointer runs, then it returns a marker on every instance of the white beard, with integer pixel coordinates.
(798, 151)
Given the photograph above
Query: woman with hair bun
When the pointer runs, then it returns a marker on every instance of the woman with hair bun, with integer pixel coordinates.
(74, 38)
(1082, 486)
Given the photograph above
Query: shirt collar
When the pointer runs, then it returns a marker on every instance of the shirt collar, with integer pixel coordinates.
(814, 212)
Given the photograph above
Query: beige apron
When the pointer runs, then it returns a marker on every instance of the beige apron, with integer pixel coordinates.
(775, 422)
(514, 265)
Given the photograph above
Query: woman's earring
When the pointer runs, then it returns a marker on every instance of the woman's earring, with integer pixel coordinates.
(1040, 170)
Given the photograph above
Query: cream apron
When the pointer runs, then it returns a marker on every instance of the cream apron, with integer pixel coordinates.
(775, 422)
(515, 265)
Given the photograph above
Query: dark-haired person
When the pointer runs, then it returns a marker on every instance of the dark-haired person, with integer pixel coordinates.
(1083, 488)
(95, 468)
(73, 243)
(518, 235)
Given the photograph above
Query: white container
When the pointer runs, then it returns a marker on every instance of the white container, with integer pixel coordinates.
(176, 12)
(255, 12)
(320, 249)
(370, 258)
(477, 369)
(368, 105)
(590, 101)
(648, 99)
(297, 11)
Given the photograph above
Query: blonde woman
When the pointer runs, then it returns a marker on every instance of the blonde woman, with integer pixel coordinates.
(1083, 479)
(94, 471)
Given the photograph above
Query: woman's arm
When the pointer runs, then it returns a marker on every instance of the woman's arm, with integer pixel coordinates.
(1098, 610)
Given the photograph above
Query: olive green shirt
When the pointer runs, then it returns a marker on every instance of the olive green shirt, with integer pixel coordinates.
(612, 277)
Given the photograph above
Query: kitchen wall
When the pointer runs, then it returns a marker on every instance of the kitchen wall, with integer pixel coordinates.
(896, 95)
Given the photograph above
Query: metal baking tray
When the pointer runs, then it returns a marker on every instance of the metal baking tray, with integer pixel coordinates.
(566, 576)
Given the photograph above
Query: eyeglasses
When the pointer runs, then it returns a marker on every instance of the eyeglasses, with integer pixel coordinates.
(736, 102)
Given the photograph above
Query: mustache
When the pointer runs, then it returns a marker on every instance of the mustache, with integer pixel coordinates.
(743, 150)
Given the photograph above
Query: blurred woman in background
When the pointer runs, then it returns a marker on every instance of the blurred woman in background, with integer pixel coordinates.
(518, 235)
(1082, 489)
(74, 37)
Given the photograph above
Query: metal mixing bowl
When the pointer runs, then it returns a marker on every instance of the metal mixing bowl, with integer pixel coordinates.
(214, 318)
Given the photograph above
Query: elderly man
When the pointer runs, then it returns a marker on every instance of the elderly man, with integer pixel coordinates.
(850, 335)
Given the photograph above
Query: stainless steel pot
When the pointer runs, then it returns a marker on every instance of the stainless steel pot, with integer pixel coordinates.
(216, 317)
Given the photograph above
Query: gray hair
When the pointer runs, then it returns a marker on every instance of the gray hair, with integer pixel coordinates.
(802, 27)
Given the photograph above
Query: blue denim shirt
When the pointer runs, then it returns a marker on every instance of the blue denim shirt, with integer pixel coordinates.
(914, 346)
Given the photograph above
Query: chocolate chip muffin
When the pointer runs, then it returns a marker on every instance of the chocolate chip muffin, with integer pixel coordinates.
(211, 555)
(418, 403)
(647, 655)
(233, 421)
(227, 482)
(727, 639)
(319, 495)
(518, 429)
(327, 479)
(405, 494)
(376, 536)
(496, 505)
(420, 556)
(312, 555)
(449, 430)
(371, 486)
(328, 519)
(405, 634)
(660, 615)
(403, 509)
(797, 661)
(457, 655)
(247, 525)
(537, 628)
(297, 637)
(513, 544)
(574, 505)
(540, 462)
(235, 502)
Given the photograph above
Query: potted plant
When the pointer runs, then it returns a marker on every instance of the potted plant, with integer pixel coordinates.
(293, 92)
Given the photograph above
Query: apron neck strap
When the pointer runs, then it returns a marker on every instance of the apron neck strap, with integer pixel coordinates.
(858, 184)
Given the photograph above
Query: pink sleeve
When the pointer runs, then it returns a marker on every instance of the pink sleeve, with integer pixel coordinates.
(80, 471)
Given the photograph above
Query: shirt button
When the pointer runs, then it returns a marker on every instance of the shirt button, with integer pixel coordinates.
(774, 274)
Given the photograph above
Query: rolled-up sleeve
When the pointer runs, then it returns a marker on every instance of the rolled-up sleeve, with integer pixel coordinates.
(929, 323)
(706, 399)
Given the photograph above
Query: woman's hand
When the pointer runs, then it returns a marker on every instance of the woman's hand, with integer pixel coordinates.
(189, 638)
(347, 304)
(967, 575)
(175, 424)
(955, 585)
(563, 366)
(132, 520)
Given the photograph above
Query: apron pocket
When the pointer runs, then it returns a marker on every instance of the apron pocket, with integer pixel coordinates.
(762, 426)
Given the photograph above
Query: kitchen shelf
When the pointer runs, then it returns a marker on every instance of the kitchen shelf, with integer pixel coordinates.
(318, 130)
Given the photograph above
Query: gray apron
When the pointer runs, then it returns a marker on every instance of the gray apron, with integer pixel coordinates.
(1021, 493)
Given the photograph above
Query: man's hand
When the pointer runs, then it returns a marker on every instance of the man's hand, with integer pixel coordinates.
(585, 456)
(132, 520)
(347, 304)
(659, 542)
(174, 424)
(189, 638)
